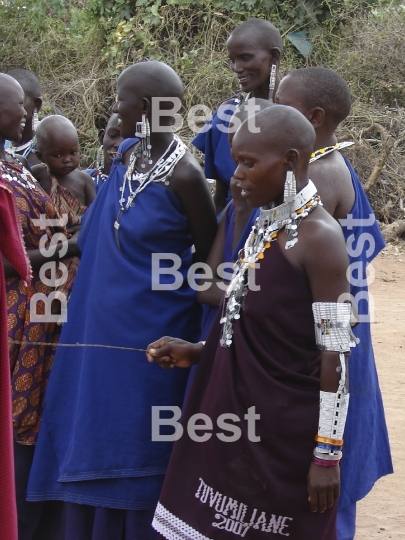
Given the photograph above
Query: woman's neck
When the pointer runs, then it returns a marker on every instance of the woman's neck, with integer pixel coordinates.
(263, 90)
(324, 140)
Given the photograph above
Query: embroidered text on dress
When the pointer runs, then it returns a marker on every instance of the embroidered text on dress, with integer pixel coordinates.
(235, 517)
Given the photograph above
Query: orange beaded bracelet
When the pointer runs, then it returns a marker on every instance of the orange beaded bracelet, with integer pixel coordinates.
(335, 442)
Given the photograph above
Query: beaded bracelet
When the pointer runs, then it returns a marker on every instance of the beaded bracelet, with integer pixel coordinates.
(327, 457)
(330, 447)
(322, 463)
(334, 442)
(324, 452)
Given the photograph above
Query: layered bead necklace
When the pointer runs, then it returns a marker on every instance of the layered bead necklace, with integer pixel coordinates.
(19, 174)
(160, 172)
(26, 148)
(265, 230)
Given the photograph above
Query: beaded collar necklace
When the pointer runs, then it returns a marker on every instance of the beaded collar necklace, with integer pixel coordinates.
(19, 174)
(27, 147)
(321, 152)
(265, 230)
(160, 172)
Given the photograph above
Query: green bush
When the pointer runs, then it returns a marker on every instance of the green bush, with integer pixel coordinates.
(77, 48)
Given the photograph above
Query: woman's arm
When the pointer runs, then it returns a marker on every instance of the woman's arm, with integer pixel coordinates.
(37, 259)
(325, 262)
(215, 287)
(220, 195)
(190, 185)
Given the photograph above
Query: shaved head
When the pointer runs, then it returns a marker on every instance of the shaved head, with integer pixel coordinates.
(28, 80)
(263, 32)
(12, 111)
(8, 85)
(282, 128)
(246, 110)
(250, 107)
(324, 88)
(282, 141)
(53, 129)
(152, 79)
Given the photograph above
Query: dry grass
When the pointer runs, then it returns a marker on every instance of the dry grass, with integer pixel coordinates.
(367, 51)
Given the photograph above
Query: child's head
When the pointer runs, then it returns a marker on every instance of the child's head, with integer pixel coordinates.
(320, 94)
(110, 138)
(58, 145)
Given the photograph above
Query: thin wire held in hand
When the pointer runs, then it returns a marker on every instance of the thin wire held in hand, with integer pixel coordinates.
(77, 345)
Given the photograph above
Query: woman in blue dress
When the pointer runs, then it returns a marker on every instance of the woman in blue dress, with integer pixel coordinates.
(254, 50)
(95, 448)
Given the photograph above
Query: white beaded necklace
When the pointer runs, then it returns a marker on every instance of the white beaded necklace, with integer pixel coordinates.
(160, 172)
(265, 230)
(19, 174)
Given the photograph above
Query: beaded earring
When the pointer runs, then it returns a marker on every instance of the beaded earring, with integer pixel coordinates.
(143, 133)
(272, 83)
(35, 120)
(290, 192)
(100, 158)
(290, 189)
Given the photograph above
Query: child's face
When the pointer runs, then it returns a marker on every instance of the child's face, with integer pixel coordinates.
(62, 155)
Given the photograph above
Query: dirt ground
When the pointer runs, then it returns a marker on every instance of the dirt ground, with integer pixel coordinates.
(382, 513)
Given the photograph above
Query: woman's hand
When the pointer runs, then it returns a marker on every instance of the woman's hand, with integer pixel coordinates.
(169, 352)
(323, 487)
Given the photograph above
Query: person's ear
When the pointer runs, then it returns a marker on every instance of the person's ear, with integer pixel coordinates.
(317, 117)
(275, 55)
(146, 108)
(100, 135)
(38, 103)
(292, 159)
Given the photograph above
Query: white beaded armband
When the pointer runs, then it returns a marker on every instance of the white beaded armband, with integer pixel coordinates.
(333, 333)
(332, 326)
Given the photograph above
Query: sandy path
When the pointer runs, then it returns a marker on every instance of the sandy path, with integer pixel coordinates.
(382, 513)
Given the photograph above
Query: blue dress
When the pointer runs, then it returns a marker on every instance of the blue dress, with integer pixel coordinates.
(95, 446)
(366, 451)
(212, 140)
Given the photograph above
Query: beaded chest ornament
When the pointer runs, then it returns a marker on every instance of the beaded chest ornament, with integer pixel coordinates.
(160, 172)
(19, 174)
(265, 230)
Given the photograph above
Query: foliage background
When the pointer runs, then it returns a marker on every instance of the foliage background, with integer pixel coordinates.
(77, 48)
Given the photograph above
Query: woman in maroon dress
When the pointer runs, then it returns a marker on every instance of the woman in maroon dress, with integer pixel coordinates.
(247, 465)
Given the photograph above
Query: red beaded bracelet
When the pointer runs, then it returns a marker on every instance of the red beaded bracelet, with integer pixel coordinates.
(324, 463)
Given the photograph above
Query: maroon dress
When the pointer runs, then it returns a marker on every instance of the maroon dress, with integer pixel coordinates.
(248, 488)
